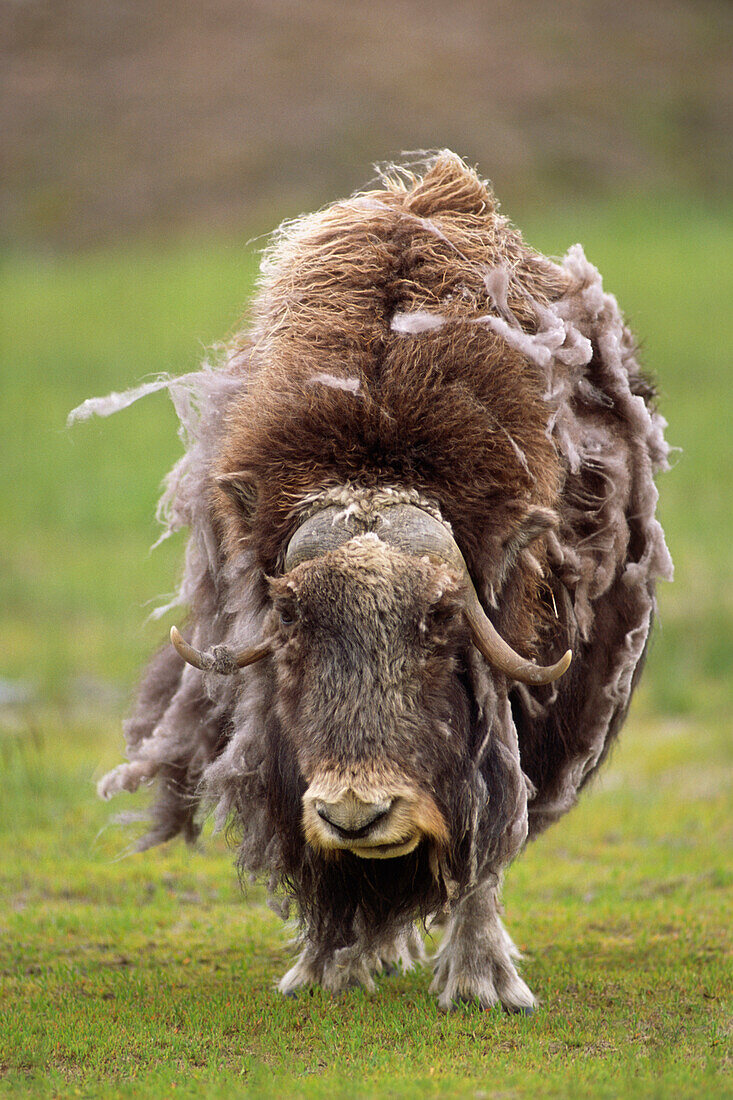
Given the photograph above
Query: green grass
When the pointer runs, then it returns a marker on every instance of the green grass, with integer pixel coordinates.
(150, 975)
(78, 505)
(129, 977)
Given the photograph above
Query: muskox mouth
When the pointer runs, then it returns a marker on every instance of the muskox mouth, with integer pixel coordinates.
(386, 851)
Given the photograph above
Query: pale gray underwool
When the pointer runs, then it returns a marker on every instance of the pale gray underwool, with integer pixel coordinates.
(412, 324)
(350, 385)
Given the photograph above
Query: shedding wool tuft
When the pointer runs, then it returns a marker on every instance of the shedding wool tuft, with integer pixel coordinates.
(425, 262)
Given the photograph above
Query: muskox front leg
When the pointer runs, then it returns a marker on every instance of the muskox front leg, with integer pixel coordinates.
(342, 968)
(335, 970)
(402, 952)
(474, 963)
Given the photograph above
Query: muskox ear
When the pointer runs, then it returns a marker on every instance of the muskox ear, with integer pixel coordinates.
(534, 523)
(241, 487)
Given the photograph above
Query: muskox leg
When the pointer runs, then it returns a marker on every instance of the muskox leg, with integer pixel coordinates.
(474, 962)
(403, 952)
(345, 967)
(334, 970)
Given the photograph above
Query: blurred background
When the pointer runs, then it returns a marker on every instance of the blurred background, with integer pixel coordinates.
(149, 145)
(123, 118)
(148, 148)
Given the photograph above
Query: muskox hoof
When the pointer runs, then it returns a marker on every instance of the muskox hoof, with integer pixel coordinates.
(347, 987)
(461, 1002)
(500, 987)
(519, 1010)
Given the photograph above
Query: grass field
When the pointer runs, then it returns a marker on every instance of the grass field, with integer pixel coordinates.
(151, 975)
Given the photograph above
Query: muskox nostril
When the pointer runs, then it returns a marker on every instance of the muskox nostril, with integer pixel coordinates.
(352, 819)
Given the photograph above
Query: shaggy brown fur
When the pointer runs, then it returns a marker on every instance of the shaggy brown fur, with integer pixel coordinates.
(408, 341)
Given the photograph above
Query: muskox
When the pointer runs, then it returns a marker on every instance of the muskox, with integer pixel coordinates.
(416, 484)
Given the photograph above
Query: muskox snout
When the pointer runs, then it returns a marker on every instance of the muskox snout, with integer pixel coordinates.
(377, 826)
(369, 815)
(351, 817)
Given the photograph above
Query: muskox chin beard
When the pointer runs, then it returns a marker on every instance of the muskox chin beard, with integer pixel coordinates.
(339, 895)
(342, 898)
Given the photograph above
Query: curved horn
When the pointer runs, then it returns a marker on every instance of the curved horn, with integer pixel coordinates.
(324, 531)
(190, 655)
(428, 536)
(497, 652)
(400, 525)
(221, 659)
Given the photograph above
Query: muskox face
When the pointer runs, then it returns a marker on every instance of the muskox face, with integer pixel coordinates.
(371, 709)
(370, 694)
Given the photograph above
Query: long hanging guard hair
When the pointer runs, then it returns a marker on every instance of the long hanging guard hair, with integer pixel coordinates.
(426, 256)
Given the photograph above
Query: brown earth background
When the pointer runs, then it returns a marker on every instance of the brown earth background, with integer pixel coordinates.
(129, 117)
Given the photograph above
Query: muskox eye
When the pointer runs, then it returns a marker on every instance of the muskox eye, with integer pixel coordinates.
(288, 614)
